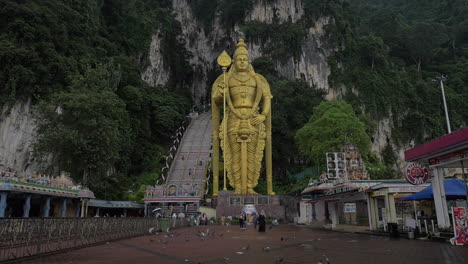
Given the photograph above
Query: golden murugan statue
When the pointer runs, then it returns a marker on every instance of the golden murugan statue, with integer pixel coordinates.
(245, 132)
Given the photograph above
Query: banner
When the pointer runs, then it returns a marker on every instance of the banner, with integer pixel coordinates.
(460, 226)
(350, 207)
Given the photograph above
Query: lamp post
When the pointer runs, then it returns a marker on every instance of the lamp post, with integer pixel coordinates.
(441, 79)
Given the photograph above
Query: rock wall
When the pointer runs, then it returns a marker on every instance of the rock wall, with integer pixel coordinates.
(282, 10)
(17, 132)
(382, 137)
(155, 74)
(205, 47)
(312, 65)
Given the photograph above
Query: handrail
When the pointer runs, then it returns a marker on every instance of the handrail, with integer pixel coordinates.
(177, 139)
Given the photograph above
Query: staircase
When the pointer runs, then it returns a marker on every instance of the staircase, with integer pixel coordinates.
(185, 184)
(190, 164)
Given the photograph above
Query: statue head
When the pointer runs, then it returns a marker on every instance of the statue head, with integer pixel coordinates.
(241, 57)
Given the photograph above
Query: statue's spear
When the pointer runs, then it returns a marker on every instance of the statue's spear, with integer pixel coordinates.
(224, 60)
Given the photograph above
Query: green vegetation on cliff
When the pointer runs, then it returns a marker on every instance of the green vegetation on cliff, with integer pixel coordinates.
(80, 62)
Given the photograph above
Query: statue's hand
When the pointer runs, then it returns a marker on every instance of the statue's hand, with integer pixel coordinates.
(258, 120)
(221, 86)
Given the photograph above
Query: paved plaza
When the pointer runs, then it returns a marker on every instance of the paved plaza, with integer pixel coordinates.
(283, 244)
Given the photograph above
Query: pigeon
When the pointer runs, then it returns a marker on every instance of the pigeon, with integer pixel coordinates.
(240, 252)
(201, 234)
(280, 260)
(324, 260)
(226, 259)
(267, 249)
(151, 230)
(246, 248)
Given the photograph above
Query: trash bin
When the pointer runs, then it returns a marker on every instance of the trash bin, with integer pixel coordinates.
(164, 224)
(393, 229)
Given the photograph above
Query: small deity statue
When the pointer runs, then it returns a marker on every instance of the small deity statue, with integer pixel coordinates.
(247, 120)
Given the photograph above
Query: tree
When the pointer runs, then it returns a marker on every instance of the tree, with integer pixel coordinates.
(423, 39)
(85, 128)
(373, 49)
(332, 124)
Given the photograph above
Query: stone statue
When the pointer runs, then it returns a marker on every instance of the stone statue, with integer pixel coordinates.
(244, 99)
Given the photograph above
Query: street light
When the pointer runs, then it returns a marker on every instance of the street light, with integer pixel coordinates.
(441, 79)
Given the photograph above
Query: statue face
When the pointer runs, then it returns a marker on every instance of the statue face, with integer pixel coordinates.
(242, 63)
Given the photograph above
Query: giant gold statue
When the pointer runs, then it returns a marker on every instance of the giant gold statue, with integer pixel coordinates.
(243, 98)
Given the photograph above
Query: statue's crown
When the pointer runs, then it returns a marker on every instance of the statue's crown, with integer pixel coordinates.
(241, 49)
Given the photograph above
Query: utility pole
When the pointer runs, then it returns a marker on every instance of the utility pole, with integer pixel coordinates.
(442, 79)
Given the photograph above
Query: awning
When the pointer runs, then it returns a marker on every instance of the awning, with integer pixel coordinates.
(454, 189)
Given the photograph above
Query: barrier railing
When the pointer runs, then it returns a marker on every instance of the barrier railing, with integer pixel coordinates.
(27, 237)
(201, 108)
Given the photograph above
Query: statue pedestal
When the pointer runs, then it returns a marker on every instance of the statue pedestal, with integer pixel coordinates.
(230, 204)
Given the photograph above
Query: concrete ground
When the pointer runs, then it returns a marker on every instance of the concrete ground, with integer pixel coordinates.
(282, 244)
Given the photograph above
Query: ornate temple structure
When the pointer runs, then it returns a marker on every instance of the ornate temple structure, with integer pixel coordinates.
(41, 196)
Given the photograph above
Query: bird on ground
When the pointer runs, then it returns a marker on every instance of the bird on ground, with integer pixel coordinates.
(267, 249)
(201, 234)
(246, 248)
(324, 260)
(280, 260)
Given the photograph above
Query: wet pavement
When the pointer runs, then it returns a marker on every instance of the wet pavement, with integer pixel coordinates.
(282, 244)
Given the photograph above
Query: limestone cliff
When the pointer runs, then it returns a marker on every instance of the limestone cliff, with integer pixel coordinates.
(205, 47)
(17, 133)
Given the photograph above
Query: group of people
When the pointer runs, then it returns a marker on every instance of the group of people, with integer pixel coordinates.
(259, 220)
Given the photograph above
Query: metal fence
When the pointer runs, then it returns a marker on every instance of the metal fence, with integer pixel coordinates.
(26, 237)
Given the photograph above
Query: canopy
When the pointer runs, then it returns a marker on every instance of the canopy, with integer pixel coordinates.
(454, 189)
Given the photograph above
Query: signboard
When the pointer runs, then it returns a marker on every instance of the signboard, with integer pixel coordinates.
(416, 174)
(350, 207)
(460, 226)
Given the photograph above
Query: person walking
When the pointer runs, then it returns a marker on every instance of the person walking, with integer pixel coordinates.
(261, 222)
(255, 219)
(244, 218)
(241, 220)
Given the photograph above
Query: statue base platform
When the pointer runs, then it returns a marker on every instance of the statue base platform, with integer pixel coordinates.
(230, 204)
